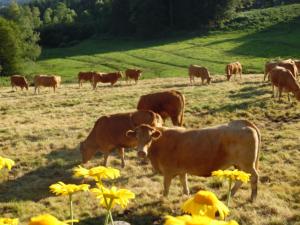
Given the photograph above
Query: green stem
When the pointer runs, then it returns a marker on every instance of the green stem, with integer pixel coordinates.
(111, 218)
(106, 219)
(229, 192)
(71, 209)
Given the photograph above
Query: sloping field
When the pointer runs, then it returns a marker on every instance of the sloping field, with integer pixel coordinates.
(41, 133)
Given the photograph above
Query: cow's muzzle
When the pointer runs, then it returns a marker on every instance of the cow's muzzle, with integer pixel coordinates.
(142, 154)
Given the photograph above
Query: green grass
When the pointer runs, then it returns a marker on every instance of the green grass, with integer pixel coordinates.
(171, 57)
(41, 133)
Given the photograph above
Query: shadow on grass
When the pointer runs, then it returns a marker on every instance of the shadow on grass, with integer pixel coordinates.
(248, 93)
(34, 185)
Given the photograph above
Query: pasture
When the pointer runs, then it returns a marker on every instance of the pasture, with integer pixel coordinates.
(41, 133)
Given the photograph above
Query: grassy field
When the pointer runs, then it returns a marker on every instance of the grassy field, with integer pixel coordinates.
(41, 133)
(276, 35)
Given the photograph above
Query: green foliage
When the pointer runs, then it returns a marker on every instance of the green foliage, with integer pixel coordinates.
(10, 48)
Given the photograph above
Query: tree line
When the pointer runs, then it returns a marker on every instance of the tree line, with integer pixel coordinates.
(58, 23)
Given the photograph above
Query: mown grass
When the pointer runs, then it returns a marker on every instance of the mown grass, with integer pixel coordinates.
(41, 133)
(268, 33)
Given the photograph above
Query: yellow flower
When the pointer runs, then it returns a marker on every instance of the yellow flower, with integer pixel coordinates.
(115, 196)
(5, 162)
(205, 203)
(8, 221)
(47, 219)
(196, 220)
(233, 175)
(97, 173)
(61, 188)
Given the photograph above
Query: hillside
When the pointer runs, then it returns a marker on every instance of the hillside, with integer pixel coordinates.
(170, 57)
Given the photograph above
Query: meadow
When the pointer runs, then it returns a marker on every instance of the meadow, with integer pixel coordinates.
(42, 132)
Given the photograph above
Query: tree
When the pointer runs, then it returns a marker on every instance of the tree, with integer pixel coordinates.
(10, 49)
(48, 16)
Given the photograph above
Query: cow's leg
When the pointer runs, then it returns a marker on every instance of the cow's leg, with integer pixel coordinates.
(191, 80)
(254, 182)
(121, 153)
(279, 93)
(54, 88)
(289, 97)
(202, 81)
(184, 183)
(236, 186)
(167, 183)
(105, 158)
(273, 91)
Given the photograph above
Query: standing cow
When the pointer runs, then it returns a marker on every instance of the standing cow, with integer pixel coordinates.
(18, 81)
(133, 74)
(111, 78)
(199, 71)
(233, 68)
(199, 152)
(287, 64)
(46, 81)
(85, 76)
(109, 133)
(166, 104)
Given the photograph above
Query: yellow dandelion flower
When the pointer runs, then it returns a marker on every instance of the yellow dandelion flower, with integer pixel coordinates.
(61, 188)
(205, 203)
(9, 221)
(97, 173)
(111, 197)
(47, 219)
(196, 220)
(232, 175)
(5, 162)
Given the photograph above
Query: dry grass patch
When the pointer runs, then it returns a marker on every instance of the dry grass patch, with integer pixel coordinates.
(41, 133)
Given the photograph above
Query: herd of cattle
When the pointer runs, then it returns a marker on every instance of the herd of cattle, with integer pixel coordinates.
(177, 151)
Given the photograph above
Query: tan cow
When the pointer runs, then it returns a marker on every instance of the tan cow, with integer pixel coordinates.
(111, 78)
(18, 81)
(166, 104)
(284, 80)
(133, 74)
(199, 152)
(288, 64)
(109, 133)
(199, 71)
(85, 76)
(46, 81)
(233, 68)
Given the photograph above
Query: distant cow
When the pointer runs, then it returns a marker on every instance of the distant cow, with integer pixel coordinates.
(111, 78)
(177, 151)
(199, 71)
(109, 133)
(284, 80)
(85, 76)
(233, 68)
(166, 104)
(133, 74)
(18, 81)
(288, 64)
(46, 81)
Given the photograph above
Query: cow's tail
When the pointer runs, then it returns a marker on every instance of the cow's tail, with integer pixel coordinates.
(182, 106)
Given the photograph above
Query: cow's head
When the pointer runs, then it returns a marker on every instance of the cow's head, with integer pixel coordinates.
(144, 134)
(119, 74)
(209, 79)
(26, 86)
(86, 152)
(228, 77)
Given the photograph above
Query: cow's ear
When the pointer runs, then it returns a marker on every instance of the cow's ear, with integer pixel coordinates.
(131, 133)
(156, 134)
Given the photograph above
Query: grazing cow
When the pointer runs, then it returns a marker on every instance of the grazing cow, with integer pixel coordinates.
(166, 104)
(199, 71)
(18, 81)
(133, 74)
(288, 64)
(111, 78)
(177, 151)
(233, 68)
(46, 81)
(109, 133)
(85, 76)
(284, 80)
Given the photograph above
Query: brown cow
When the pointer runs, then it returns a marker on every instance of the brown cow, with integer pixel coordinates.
(297, 62)
(133, 74)
(111, 78)
(288, 64)
(46, 81)
(85, 76)
(109, 133)
(178, 151)
(199, 71)
(18, 81)
(233, 68)
(284, 80)
(166, 104)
